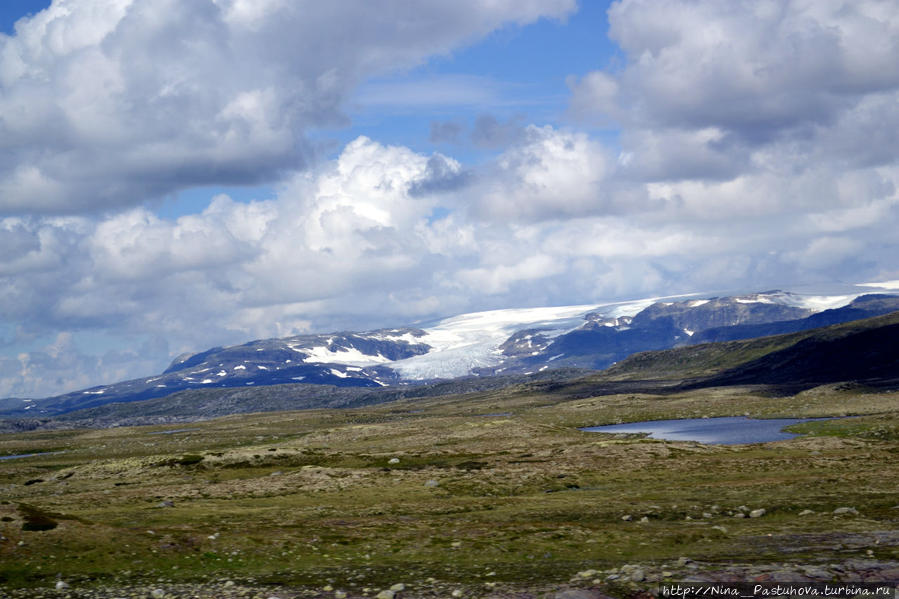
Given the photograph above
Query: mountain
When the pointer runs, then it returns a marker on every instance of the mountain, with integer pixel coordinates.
(862, 350)
(861, 307)
(483, 344)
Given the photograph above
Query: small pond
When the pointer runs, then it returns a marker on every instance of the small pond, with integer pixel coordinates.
(26, 455)
(714, 431)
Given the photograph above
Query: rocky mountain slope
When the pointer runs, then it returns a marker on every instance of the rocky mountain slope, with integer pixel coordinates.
(500, 342)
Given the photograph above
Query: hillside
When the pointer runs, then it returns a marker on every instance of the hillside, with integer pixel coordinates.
(858, 350)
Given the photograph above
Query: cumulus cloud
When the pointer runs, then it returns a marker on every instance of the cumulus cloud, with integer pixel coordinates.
(755, 148)
(716, 91)
(353, 244)
(550, 174)
(106, 103)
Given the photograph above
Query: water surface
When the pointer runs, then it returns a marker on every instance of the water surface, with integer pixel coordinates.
(26, 455)
(731, 430)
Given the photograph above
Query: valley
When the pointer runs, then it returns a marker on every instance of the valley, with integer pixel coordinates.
(479, 486)
(491, 493)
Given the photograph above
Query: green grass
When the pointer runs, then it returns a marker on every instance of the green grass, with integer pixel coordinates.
(316, 497)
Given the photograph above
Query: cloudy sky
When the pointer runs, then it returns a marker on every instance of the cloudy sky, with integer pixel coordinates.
(177, 175)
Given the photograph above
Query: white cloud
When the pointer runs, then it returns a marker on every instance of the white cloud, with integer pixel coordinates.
(550, 174)
(352, 243)
(106, 103)
(756, 149)
(715, 90)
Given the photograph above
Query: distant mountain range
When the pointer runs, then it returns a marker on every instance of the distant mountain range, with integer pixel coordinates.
(500, 343)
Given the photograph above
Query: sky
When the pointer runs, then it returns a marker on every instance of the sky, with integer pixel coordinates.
(180, 175)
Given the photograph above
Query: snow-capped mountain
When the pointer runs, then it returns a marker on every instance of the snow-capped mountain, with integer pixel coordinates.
(512, 341)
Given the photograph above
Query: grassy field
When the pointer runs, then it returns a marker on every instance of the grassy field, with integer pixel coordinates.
(485, 493)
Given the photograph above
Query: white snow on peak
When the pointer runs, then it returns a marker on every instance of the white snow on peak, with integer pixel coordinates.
(819, 303)
(697, 303)
(808, 301)
(349, 355)
(394, 335)
(462, 343)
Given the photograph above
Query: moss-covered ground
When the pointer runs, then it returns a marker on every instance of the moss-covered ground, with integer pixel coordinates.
(490, 489)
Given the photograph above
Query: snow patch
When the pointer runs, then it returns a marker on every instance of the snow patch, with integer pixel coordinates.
(345, 355)
(463, 343)
(819, 303)
(240, 367)
(337, 373)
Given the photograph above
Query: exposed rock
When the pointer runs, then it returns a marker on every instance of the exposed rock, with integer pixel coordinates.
(845, 510)
(757, 513)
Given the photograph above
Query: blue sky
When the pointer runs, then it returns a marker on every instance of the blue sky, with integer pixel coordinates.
(521, 70)
(13, 10)
(179, 175)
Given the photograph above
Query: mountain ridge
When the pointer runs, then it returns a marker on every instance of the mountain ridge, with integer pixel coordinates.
(486, 344)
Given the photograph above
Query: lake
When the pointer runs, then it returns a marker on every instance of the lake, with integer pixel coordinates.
(714, 431)
(26, 455)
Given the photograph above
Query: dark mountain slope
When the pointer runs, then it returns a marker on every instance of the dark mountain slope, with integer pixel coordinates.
(864, 355)
(865, 306)
(860, 350)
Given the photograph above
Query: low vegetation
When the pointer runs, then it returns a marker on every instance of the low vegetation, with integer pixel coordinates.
(488, 493)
